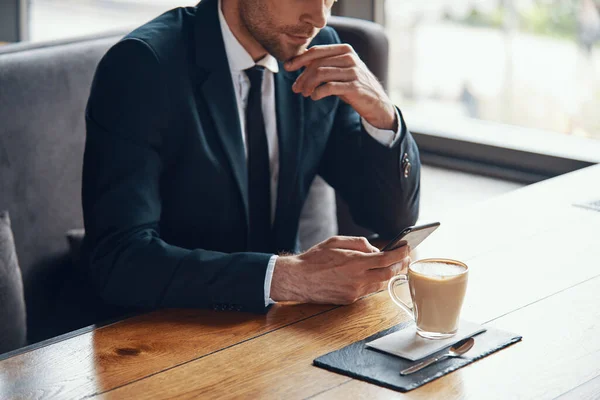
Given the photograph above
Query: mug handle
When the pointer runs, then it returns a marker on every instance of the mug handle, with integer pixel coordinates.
(392, 283)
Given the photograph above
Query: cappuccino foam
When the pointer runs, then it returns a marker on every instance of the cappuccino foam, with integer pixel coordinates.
(438, 269)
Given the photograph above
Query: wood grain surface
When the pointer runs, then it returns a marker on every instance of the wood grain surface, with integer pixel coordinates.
(278, 365)
(534, 263)
(587, 391)
(124, 352)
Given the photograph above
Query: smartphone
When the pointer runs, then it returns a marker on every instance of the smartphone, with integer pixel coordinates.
(411, 236)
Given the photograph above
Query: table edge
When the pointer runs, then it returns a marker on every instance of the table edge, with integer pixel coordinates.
(65, 336)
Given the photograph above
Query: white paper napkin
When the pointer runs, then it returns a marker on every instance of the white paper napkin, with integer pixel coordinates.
(407, 344)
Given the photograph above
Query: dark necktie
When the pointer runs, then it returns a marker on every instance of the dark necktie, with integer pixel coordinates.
(259, 177)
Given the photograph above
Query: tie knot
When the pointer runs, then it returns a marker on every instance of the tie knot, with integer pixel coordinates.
(255, 74)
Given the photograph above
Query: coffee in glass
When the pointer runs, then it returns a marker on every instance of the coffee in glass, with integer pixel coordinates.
(437, 288)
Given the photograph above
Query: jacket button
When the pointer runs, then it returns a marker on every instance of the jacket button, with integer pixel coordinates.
(407, 169)
(406, 165)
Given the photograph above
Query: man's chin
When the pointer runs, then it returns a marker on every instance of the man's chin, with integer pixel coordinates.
(285, 51)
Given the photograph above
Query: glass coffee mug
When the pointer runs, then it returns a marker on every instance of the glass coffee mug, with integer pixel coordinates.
(437, 288)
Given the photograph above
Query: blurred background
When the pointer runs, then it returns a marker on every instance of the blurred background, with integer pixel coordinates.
(532, 63)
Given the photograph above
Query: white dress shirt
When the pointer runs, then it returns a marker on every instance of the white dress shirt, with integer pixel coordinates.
(240, 60)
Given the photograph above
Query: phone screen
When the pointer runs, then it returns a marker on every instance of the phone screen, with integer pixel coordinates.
(411, 236)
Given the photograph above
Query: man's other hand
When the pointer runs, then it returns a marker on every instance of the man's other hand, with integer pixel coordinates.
(336, 70)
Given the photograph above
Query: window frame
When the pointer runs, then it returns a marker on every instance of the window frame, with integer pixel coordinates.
(14, 21)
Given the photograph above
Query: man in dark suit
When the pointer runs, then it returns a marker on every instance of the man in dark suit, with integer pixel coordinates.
(205, 129)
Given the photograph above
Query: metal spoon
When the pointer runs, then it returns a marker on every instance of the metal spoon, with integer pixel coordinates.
(457, 350)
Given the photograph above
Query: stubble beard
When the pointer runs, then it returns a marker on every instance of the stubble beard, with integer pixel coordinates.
(266, 33)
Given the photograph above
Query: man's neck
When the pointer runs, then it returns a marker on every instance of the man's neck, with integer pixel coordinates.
(231, 12)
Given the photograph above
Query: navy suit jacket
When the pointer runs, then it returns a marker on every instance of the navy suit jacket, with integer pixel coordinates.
(165, 195)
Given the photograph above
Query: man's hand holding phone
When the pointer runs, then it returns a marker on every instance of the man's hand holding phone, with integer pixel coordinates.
(339, 270)
(342, 269)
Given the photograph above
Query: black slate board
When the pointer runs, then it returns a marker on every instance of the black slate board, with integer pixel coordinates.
(370, 365)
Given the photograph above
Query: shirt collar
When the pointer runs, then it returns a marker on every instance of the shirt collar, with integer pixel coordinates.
(239, 58)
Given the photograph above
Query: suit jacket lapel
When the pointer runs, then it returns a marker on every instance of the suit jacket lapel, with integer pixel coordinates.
(217, 88)
(290, 129)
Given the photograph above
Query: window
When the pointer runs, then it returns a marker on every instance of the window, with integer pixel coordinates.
(531, 63)
(57, 19)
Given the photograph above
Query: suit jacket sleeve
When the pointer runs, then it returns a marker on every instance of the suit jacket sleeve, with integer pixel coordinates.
(370, 176)
(127, 127)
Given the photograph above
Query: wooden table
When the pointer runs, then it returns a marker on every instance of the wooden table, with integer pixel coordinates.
(535, 270)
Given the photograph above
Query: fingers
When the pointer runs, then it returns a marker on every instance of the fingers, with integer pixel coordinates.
(375, 280)
(360, 244)
(315, 53)
(359, 262)
(386, 258)
(312, 78)
(336, 70)
(339, 68)
(387, 273)
(360, 292)
(334, 89)
(343, 61)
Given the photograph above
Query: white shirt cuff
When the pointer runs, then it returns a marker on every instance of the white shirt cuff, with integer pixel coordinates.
(268, 279)
(384, 136)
